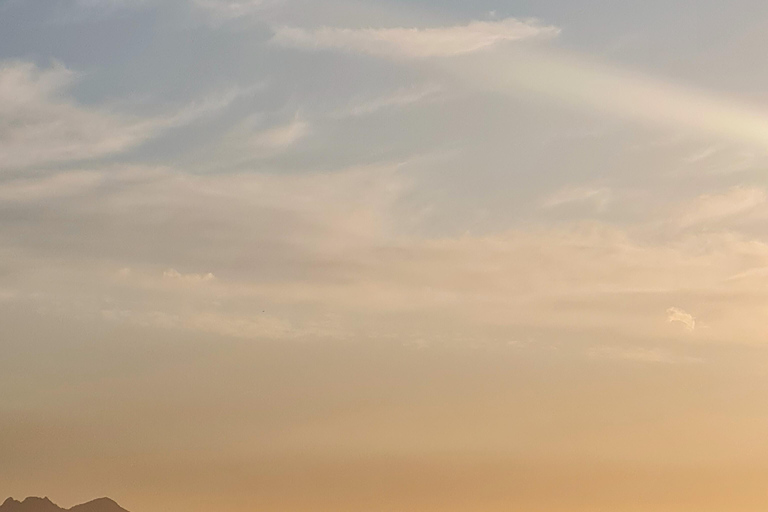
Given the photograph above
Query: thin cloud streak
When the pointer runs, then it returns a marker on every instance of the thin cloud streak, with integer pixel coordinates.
(400, 98)
(639, 355)
(570, 79)
(586, 84)
(414, 43)
(599, 198)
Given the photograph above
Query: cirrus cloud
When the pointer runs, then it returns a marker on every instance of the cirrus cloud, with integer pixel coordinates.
(712, 208)
(414, 43)
(41, 125)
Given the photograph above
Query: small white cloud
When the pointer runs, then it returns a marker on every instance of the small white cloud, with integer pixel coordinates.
(414, 42)
(678, 315)
(174, 275)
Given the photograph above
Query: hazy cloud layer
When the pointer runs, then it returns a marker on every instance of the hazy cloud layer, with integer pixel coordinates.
(321, 254)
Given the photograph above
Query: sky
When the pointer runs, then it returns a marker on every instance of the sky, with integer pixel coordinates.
(385, 255)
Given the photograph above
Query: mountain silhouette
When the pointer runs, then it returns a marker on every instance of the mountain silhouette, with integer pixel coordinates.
(45, 505)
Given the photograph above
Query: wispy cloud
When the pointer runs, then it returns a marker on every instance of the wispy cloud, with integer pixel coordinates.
(639, 355)
(414, 43)
(725, 158)
(41, 125)
(299, 246)
(588, 84)
(110, 4)
(712, 208)
(223, 10)
(257, 137)
(399, 98)
(702, 154)
(599, 198)
(280, 137)
(33, 190)
(209, 322)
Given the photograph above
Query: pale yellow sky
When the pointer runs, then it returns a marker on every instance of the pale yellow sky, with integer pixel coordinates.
(292, 255)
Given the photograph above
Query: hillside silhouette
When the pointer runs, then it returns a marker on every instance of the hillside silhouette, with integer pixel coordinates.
(45, 505)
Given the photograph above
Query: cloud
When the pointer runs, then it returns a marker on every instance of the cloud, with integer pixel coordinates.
(399, 98)
(680, 316)
(326, 252)
(638, 354)
(599, 87)
(174, 275)
(224, 10)
(209, 322)
(709, 208)
(599, 198)
(42, 126)
(414, 43)
(321, 254)
(280, 137)
(34, 190)
(110, 4)
(702, 154)
(256, 138)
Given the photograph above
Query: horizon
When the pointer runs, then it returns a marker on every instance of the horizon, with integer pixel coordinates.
(385, 255)
(11, 499)
(38, 504)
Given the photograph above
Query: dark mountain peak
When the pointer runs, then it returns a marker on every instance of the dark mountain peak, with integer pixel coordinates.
(35, 499)
(33, 504)
(98, 505)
